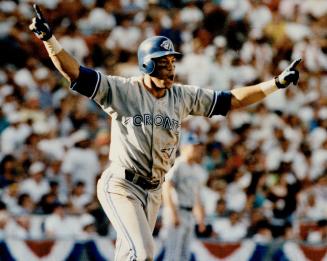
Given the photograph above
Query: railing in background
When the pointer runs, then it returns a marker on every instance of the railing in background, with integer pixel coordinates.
(102, 248)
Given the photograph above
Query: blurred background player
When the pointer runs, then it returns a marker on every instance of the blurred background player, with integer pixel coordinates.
(182, 202)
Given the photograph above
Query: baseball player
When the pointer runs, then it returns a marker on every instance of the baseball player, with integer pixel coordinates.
(146, 114)
(181, 197)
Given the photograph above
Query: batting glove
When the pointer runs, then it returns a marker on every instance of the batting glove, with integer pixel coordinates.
(289, 75)
(40, 26)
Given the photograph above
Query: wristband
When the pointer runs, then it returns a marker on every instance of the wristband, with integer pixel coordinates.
(53, 46)
(268, 88)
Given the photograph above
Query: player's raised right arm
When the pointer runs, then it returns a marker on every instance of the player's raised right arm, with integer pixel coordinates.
(63, 61)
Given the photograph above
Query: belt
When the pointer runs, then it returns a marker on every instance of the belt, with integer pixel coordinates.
(140, 180)
(189, 209)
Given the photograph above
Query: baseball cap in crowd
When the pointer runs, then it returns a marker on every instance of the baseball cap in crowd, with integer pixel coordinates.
(220, 41)
(78, 136)
(36, 167)
(192, 139)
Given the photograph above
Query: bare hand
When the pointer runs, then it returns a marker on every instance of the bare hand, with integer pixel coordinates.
(176, 220)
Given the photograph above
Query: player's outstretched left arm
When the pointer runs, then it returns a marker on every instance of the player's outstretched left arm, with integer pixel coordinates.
(245, 96)
(64, 62)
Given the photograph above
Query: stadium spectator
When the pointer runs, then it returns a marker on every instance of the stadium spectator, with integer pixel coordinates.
(25, 204)
(55, 174)
(9, 170)
(13, 137)
(36, 185)
(10, 196)
(79, 198)
(81, 162)
(318, 235)
(19, 227)
(4, 220)
(69, 228)
(231, 228)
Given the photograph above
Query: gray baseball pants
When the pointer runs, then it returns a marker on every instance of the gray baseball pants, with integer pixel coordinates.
(133, 212)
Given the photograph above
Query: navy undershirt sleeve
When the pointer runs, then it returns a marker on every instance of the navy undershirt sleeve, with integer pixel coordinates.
(221, 103)
(87, 82)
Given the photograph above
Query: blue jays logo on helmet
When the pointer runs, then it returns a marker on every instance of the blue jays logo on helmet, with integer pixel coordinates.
(154, 47)
(168, 45)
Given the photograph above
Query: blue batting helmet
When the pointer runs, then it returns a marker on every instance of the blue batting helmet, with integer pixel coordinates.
(154, 47)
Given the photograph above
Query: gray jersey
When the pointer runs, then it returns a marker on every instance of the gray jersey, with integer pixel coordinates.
(187, 181)
(145, 134)
(146, 130)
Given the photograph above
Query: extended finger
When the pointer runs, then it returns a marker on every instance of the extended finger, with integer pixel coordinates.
(295, 63)
(32, 25)
(38, 12)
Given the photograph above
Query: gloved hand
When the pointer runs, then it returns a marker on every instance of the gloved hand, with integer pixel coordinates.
(40, 26)
(290, 74)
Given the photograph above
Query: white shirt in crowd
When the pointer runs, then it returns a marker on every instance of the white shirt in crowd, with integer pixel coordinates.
(259, 17)
(12, 138)
(24, 227)
(61, 227)
(126, 38)
(24, 77)
(262, 53)
(99, 20)
(313, 57)
(76, 46)
(319, 162)
(297, 32)
(82, 165)
(243, 74)
(236, 8)
(80, 201)
(200, 74)
(34, 189)
(235, 197)
(228, 232)
(220, 77)
(191, 16)
(276, 156)
(10, 200)
(209, 198)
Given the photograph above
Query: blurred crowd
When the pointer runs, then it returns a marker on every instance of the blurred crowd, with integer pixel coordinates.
(265, 166)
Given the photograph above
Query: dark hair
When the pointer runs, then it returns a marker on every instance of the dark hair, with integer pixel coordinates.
(79, 183)
(21, 198)
(2, 206)
(4, 160)
(322, 223)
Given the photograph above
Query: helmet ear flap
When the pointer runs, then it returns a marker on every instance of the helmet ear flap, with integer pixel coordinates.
(148, 66)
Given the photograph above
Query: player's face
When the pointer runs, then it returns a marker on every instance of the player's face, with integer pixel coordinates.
(164, 72)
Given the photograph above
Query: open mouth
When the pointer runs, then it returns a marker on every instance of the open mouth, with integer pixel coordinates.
(171, 77)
